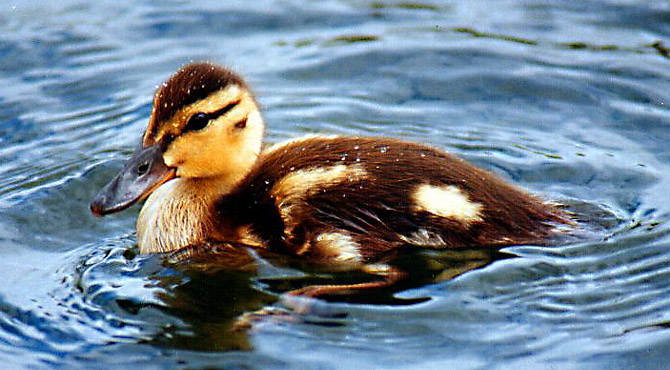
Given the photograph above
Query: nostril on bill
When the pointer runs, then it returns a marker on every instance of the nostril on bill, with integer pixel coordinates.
(142, 168)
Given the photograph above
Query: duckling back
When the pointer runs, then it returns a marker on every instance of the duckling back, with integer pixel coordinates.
(354, 200)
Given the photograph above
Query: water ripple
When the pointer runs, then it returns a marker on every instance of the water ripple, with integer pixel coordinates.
(568, 99)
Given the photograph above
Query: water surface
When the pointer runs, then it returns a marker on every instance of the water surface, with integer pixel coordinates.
(567, 99)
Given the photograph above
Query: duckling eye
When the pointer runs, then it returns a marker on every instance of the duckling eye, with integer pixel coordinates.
(197, 122)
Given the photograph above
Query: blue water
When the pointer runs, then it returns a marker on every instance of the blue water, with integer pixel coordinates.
(567, 99)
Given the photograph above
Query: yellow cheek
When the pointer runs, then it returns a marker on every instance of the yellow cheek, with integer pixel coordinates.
(206, 154)
(189, 155)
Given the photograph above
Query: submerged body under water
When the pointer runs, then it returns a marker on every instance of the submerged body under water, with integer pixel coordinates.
(567, 100)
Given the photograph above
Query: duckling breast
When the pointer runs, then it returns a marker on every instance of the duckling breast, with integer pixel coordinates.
(174, 216)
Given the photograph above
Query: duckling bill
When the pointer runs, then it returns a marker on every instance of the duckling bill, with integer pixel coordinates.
(345, 201)
(140, 176)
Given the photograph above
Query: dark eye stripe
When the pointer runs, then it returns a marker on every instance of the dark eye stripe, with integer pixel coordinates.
(224, 110)
(200, 120)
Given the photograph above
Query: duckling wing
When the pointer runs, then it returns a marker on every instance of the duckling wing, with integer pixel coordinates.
(357, 198)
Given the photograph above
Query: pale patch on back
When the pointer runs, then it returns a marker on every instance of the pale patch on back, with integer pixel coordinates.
(293, 189)
(446, 201)
(309, 181)
(334, 246)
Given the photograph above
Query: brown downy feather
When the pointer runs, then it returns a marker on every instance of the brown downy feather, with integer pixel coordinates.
(369, 196)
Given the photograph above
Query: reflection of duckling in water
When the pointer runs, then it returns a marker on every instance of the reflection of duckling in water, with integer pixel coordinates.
(223, 274)
(345, 202)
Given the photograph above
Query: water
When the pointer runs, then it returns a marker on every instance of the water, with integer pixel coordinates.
(567, 99)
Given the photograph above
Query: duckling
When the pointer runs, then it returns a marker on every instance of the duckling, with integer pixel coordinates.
(346, 202)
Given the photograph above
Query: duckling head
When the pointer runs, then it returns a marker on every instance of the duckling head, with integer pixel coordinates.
(205, 125)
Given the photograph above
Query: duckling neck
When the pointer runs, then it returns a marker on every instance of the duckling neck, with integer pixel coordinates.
(177, 214)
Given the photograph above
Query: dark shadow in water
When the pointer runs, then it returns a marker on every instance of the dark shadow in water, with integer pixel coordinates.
(209, 295)
(422, 267)
(214, 289)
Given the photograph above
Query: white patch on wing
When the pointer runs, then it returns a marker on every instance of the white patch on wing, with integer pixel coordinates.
(446, 201)
(309, 181)
(424, 238)
(338, 246)
(292, 190)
